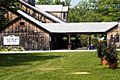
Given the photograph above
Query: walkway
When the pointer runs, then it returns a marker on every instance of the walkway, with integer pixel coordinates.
(14, 52)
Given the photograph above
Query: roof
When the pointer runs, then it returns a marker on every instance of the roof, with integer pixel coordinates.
(42, 12)
(35, 21)
(28, 17)
(93, 27)
(53, 8)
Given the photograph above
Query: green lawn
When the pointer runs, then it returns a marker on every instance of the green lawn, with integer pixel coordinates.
(55, 66)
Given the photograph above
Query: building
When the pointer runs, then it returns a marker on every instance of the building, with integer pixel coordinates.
(59, 11)
(35, 28)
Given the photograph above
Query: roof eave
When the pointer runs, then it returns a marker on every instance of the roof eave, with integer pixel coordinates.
(112, 28)
(77, 32)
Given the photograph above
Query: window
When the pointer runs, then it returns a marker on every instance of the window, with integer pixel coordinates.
(22, 23)
(22, 27)
(64, 15)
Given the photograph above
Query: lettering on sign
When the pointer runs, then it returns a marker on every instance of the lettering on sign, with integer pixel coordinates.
(11, 40)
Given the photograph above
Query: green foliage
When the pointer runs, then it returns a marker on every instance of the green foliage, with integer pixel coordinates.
(109, 9)
(84, 40)
(45, 2)
(56, 2)
(7, 3)
(94, 41)
(67, 2)
(10, 48)
(95, 11)
(65, 38)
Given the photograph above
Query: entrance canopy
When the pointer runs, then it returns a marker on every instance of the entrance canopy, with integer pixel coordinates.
(92, 27)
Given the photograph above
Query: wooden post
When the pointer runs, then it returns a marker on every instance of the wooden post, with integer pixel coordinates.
(88, 43)
(69, 42)
(89, 40)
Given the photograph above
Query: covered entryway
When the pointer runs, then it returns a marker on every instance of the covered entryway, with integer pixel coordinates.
(64, 36)
(74, 41)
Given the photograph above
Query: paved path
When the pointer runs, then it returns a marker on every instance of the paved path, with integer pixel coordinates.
(13, 52)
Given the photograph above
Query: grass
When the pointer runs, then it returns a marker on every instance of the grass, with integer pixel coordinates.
(55, 66)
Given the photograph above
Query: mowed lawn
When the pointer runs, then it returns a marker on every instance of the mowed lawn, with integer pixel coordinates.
(55, 66)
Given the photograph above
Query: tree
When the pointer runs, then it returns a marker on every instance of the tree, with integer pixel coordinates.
(95, 11)
(83, 13)
(45, 2)
(110, 9)
(7, 3)
(4, 6)
(55, 2)
(58, 2)
(67, 2)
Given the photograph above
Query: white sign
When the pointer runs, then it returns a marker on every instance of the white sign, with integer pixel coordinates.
(11, 40)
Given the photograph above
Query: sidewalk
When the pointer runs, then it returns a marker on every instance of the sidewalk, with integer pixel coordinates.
(38, 51)
(13, 52)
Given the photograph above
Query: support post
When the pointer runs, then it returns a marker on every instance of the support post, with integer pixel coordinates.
(69, 42)
(89, 40)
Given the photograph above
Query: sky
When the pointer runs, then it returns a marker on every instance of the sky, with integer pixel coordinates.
(74, 2)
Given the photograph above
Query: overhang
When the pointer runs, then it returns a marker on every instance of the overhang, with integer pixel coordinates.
(86, 27)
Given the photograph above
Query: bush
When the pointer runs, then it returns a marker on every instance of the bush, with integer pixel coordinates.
(11, 48)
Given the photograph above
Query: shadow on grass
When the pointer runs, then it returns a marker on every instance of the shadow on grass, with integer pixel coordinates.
(111, 68)
(7, 60)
